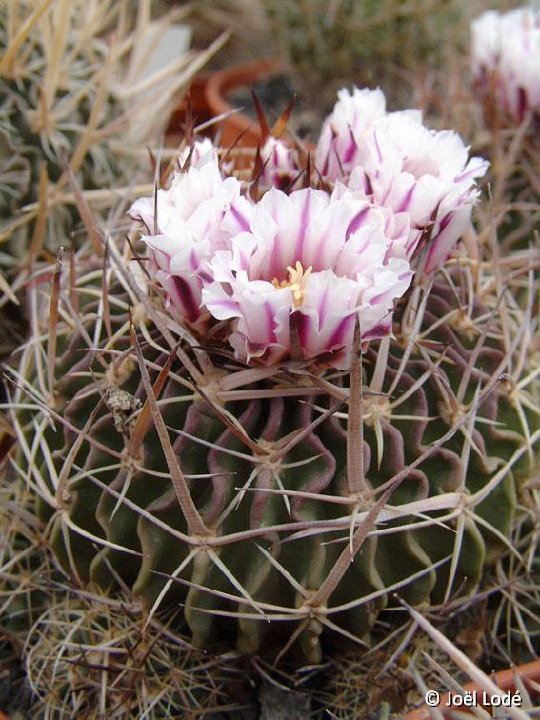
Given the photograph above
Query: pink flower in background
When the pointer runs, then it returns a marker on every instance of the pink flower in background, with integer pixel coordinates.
(505, 58)
(186, 224)
(312, 261)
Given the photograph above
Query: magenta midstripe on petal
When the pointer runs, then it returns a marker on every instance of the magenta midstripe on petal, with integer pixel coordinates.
(358, 220)
(242, 221)
(351, 150)
(185, 294)
(342, 333)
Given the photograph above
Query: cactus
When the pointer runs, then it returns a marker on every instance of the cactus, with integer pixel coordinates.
(283, 485)
(86, 655)
(57, 102)
(328, 44)
(242, 492)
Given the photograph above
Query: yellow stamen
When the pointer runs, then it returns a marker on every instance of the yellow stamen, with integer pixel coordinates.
(296, 282)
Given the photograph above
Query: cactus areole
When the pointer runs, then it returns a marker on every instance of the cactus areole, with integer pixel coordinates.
(283, 412)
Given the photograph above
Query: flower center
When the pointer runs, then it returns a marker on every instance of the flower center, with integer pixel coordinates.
(296, 282)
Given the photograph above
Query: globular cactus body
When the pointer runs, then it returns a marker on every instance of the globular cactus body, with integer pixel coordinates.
(275, 450)
(270, 524)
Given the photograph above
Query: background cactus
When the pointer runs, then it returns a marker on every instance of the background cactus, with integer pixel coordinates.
(177, 679)
(75, 102)
(243, 492)
(394, 45)
(61, 102)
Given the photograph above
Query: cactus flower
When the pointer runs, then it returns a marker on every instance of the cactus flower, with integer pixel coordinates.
(505, 59)
(399, 164)
(185, 224)
(290, 273)
(199, 153)
(353, 116)
(309, 261)
(279, 164)
(426, 174)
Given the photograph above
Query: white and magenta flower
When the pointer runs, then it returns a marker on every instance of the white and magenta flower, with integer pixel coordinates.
(312, 262)
(399, 164)
(289, 274)
(505, 59)
(339, 148)
(426, 174)
(185, 225)
(279, 164)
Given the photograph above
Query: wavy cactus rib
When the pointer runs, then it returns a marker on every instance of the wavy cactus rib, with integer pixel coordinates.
(269, 498)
